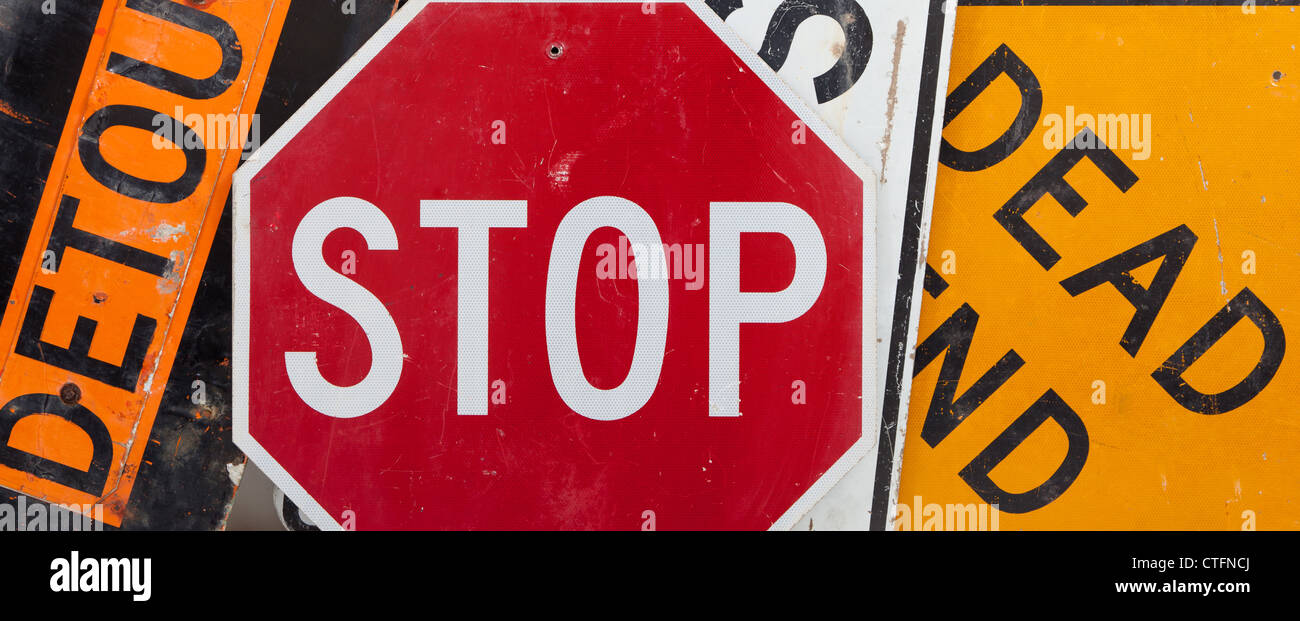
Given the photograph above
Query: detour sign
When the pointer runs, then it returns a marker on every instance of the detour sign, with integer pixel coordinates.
(114, 258)
(1111, 282)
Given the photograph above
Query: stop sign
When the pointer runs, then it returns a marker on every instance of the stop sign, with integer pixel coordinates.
(554, 265)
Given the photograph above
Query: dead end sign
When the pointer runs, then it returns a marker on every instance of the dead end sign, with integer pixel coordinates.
(1111, 287)
(555, 265)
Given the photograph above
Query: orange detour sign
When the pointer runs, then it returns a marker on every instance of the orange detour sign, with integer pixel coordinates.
(1112, 273)
(111, 265)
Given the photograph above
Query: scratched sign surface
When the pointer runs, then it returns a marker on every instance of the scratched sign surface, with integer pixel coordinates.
(1111, 286)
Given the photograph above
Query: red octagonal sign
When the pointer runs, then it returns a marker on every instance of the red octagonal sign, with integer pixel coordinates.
(554, 265)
